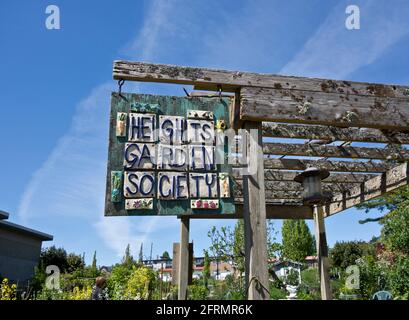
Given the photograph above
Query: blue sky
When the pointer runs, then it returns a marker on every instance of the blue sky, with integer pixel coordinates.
(55, 89)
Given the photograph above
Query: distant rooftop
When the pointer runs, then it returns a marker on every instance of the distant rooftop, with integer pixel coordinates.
(3, 215)
(18, 228)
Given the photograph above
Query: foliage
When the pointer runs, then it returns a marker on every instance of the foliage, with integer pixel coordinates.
(94, 261)
(54, 256)
(128, 258)
(395, 231)
(51, 294)
(197, 292)
(117, 281)
(206, 268)
(140, 283)
(165, 255)
(297, 240)
(399, 279)
(345, 254)
(140, 258)
(293, 277)
(74, 262)
(372, 276)
(228, 244)
(7, 291)
(277, 293)
(234, 288)
(80, 294)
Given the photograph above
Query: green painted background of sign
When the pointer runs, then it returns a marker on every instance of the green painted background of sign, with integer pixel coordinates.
(168, 105)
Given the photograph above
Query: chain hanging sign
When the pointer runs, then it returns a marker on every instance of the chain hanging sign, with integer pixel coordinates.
(167, 156)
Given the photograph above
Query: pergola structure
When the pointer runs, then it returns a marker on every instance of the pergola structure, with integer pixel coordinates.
(321, 122)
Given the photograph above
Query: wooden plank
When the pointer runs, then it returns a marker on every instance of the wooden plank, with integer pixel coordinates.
(316, 150)
(339, 166)
(295, 186)
(280, 194)
(254, 216)
(183, 258)
(373, 188)
(322, 252)
(280, 210)
(230, 81)
(281, 175)
(278, 105)
(330, 133)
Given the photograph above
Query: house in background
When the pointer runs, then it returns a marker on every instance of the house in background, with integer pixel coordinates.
(20, 249)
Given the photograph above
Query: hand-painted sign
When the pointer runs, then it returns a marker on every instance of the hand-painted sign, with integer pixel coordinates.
(162, 156)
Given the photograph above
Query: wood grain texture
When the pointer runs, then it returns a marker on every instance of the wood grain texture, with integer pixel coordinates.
(317, 150)
(331, 133)
(373, 188)
(254, 215)
(183, 278)
(281, 175)
(230, 81)
(334, 109)
(339, 166)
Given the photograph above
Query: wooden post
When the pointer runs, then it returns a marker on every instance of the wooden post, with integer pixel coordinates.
(183, 258)
(254, 216)
(322, 252)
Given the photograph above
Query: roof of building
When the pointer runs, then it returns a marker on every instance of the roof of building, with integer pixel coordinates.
(3, 215)
(31, 232)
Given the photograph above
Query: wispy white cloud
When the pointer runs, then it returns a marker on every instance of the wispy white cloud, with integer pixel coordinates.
(71, 181)
(333, 51)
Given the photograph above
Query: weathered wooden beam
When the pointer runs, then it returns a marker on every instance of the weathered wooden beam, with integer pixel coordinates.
(279, 210)
(211, 79)
(315, 150)
(281, 175)
(329, 133)
(322, 252)
(279, 194)
(340, 166)
(333, 109)
(183, 258)
(254, 216)
(295, 186)
(373, 188)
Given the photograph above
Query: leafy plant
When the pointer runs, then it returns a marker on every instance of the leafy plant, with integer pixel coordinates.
(7, 291)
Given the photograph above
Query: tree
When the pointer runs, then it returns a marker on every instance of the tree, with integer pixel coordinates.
(140, 283)
(228, 244)
(297, 240)
(345, 254)
(94, 261)
(75, 262)
(54, 256)
(206, 268)
(140, 259)
(166, 255)
(127, 258)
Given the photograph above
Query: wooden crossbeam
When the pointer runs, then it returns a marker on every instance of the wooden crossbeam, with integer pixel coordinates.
(315, 150)
(282, 175)
(271, 195)
(295, 186)
(329, 133)
(340, 166)
(210, 79)
(373, 188)
(279, 210)
(333, 109)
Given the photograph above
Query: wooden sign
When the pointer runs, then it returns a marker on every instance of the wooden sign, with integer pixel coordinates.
(162, 156)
